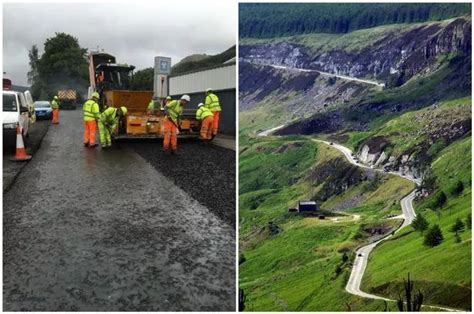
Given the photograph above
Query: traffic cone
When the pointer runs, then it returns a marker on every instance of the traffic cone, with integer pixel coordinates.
(20, 154)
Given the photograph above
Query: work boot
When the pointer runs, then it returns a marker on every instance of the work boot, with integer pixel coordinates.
(174, 152)
(86, 144)
(93, 145)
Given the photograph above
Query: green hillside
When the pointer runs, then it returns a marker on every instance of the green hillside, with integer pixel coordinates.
(413, 129)
(295, 263)
(420, 120)
(198, 61)
(443, 273)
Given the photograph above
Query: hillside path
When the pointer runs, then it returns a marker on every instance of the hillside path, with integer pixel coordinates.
(344, 77)
(362, 254)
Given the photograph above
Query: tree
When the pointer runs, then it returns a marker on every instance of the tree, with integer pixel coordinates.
(457, 188)
(434, 236)
(345, 257)
(242, 299)
(440, 199)
(34, 59)
(142, 80)
(457, 226)
(420, 223)
(468, 221)
(411, 305)
(62, 65)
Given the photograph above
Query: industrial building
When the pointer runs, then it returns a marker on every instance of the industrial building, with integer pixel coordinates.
(222, 79)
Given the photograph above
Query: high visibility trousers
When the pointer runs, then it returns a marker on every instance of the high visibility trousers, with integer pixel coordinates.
(90, 128)
(206, 128)
(55, 116)
(104, 134)
(215, 123)
(170, 135)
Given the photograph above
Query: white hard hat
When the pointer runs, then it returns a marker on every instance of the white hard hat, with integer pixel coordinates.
(200, 105)
(208, 90)
(186, 97)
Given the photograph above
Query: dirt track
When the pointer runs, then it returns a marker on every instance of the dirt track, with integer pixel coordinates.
(94, 230)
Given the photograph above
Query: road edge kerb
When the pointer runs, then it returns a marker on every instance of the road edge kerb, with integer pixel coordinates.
(32, 151)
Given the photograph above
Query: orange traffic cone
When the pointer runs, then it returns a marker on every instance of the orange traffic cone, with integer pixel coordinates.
(20, 154)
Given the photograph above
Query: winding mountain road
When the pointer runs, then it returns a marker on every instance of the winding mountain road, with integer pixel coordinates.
(362, 254)
(344, 77)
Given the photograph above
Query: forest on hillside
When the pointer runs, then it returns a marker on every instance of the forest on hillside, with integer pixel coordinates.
(266, 20)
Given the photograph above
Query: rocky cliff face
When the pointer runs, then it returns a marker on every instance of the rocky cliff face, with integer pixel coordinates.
(401, 54)
(297, 94)
(438, 127)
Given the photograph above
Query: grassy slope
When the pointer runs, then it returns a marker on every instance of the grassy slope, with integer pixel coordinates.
(443, 272)
(198, 61)
(406, 130)
(351, 42)
(295, 270)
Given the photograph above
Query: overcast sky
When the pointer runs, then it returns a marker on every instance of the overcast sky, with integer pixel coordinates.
(134, 31)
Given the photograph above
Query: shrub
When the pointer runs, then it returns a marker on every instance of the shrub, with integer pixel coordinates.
(434, 236)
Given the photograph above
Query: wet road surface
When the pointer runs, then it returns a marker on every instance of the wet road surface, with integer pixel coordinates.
(96, 230)
(11, 169)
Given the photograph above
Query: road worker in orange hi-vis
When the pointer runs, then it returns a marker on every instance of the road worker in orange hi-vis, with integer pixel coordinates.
(91, 115)
(207, 118)
(55, 108)
(211, 101)
(174, 111)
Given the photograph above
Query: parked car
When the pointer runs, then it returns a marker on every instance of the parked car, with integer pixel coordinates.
(15, 110)
(43, 109)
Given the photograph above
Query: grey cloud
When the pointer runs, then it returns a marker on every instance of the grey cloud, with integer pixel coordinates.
(134, 31)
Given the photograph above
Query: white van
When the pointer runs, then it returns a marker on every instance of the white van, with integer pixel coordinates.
(15, 110)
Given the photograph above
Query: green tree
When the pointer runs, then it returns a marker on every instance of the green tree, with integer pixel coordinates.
(37, 90)
(468, 221)
(440, 199)
(457, 226)
(34, 59)
(142, 80)
(420, 223)
(242, 299)
(434, 236)
(345, 257)
(62, 65)
(457, 188)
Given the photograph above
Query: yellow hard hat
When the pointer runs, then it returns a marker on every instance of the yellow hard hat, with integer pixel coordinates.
(124, 110)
